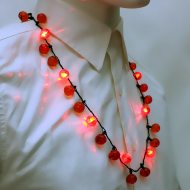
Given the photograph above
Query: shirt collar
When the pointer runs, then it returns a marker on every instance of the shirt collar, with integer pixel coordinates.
(86, 35)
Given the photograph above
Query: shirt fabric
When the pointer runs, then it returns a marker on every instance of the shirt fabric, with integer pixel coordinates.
(44, 144)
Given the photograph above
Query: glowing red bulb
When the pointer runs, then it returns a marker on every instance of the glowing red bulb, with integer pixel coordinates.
(145, 110)
(137, 75)
(114, 155)
(64, 74)
(45, 33)
(91, 121)
(126, 158)
(150, 152)
(131, 179)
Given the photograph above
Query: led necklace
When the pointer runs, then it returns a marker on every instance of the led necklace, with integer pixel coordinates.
(92, 120)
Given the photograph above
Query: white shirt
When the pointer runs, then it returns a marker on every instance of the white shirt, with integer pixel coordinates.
(44, 144)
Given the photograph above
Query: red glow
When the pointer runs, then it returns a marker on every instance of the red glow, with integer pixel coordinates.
(150, 152)
(17, 98)
(126, 158)
(91, 121)
(145, 110)
(137, 75)
(64, 74)
(45, 33)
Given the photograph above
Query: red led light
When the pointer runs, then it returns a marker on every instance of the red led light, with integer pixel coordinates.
(145, 110)
(45, 33)
(91, 121)
(44, 49)
(137, 75)
(41, 18)
(131, 179)
(133, 66)
(145, 172)
(155, 128)
(148, 99)
(23, 16)
(114, 155)
(143, 87)
(52, 62)
(79, 107)
(150, 152)
(126, 158)
(155, 142)
(69, 91)
(64, 74)
(100, 139)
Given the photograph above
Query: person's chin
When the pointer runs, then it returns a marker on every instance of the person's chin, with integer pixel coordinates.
(128, 3)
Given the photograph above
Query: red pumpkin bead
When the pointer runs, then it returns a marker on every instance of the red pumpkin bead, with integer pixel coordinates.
(145, 172)
(131, 179)
(137, 75)
(100, 139)
(45, 33)
(114, 155)
(143, 87)
(155, 142)
(133, 66)
(52, 62)
(41, 18)
(63, 74)
(79, 107)
(148, 99)
(155, 128)
(44, 49)
(23, 16)
(69, 91)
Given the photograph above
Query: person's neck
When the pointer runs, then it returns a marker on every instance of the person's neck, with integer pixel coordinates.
(105, 13)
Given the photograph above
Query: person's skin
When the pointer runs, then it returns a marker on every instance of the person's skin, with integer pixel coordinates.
(107, 11)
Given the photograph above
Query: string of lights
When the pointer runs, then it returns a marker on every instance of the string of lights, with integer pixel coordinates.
(92, 120)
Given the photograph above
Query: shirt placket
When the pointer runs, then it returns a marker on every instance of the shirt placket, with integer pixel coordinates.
(116, 65)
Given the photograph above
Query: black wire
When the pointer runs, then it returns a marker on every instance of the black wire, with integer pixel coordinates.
(148, 127)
